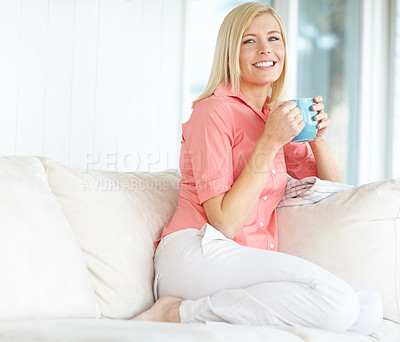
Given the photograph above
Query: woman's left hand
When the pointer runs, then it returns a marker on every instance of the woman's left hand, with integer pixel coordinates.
(321, 117)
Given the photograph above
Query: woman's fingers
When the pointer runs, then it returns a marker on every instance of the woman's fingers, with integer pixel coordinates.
(324, 123)
(321, 116)
(318, 99)
(285, 121)
(318, 107)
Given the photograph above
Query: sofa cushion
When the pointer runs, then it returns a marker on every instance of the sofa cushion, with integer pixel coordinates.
(116, 217)
(354, 234)
(43, 272)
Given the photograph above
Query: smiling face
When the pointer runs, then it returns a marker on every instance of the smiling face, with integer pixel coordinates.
(262, 54)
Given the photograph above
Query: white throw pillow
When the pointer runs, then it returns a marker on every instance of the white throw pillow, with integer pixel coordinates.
(116, 217)
(43, 272)
(354, 234)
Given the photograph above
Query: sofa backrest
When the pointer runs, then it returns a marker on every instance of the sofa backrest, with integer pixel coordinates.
(43, 271)
(116, 217)
(76, 243)
(354, 234)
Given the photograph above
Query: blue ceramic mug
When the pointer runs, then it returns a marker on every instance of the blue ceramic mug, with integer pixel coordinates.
(310, 129)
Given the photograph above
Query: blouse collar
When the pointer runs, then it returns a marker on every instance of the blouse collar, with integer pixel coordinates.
(224, 90)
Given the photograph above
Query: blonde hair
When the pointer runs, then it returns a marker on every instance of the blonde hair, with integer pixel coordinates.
(225, 68)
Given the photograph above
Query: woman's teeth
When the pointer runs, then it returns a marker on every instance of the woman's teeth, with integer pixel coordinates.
(264, 64)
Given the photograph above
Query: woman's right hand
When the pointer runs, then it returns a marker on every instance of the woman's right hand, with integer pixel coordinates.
(283, 124)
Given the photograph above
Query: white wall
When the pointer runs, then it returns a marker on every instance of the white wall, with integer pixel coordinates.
(92, 83)
(104, 83)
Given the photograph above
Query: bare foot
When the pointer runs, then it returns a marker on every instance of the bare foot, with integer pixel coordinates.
(165, 309)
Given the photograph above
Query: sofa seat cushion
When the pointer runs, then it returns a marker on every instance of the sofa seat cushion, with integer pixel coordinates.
(116, 217)
(43, 272)
(354, 234)
(105, 330)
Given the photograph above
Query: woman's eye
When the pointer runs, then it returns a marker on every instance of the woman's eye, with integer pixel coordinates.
(273, 39)
(248, 41)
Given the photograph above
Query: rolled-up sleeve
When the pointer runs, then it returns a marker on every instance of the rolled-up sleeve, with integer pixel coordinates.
(300, 161)
(208, 137)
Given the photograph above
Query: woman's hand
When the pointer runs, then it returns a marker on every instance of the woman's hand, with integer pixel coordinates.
(284, 123)
(327, 168)
(321, 117)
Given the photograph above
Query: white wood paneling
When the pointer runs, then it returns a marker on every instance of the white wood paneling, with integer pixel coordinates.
(151, 68)
(92, 83)
(108, 69)
(32, 77)
(171, 77)
(58, 79)
(128, 119)
(9, 42)
(83, 88)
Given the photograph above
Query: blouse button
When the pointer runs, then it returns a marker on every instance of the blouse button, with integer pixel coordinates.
(274, 172)
(271, 245)
(265, 198)
(261, 224)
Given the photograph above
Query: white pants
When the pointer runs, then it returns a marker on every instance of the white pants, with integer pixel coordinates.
(221, 280)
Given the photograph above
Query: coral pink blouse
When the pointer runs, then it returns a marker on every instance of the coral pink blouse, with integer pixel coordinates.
(216, 143)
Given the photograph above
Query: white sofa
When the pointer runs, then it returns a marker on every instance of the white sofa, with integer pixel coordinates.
(76, 254)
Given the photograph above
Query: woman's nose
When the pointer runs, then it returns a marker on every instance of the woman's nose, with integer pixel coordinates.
(264, 48)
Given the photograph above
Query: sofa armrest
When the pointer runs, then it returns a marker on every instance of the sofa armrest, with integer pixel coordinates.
(354, 234)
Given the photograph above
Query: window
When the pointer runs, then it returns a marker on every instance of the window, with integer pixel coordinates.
(345, 50)
(328, 53)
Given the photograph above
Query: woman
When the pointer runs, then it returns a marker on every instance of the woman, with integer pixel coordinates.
(217, 259)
